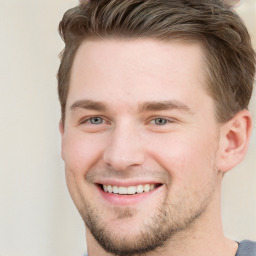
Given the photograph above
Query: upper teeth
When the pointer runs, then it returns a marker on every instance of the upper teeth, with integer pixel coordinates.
(128, 190)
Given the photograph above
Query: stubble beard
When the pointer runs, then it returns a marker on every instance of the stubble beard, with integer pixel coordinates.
(161, 227)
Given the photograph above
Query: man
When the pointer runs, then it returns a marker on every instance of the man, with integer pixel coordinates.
(154, 97)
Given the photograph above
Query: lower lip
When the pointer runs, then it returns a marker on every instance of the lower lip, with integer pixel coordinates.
(117, 199)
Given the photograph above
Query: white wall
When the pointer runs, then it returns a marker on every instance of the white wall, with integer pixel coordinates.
(36, 213)
(37, 216)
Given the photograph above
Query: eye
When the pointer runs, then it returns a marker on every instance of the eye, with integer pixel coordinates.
(95, 120)
(160, 121)
(93, 124)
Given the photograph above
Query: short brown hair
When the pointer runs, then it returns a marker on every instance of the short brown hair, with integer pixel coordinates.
(230, 57)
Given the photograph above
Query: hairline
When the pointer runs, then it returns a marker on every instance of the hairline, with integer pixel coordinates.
(200, 40)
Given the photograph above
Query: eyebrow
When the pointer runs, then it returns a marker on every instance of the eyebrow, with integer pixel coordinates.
(164, 105)
(144, 107)
(88, 104)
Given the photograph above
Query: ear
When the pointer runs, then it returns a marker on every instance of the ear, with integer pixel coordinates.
(61, 129)
(234, 140)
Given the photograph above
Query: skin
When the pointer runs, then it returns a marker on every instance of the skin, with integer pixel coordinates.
(136, 140)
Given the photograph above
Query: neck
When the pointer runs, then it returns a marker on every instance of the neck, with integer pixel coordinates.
(205, 237)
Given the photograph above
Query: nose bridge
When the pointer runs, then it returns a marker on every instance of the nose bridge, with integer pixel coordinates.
(125, 147)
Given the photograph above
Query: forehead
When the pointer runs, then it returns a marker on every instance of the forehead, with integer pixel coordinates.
(137, 70)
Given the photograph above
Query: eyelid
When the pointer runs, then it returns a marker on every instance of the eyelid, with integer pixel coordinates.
(87, 118)
(168, 119)
(84, 120)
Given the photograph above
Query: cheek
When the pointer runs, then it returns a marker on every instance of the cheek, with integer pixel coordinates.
(186, 158)
(80, 152)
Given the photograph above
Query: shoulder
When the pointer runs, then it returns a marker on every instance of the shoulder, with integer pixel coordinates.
(246, 248)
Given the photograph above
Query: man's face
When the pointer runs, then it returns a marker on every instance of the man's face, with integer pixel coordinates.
(140, 125)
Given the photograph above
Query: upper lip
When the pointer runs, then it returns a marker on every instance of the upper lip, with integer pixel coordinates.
(126, 183)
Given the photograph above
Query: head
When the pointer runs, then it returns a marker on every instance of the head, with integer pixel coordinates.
(153, 93)
(229, 56)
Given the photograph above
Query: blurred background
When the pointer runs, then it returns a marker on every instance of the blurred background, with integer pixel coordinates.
(37, 216)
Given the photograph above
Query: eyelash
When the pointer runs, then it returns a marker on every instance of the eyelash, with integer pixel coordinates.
(89, 120)
(152, 121)
(166, 121)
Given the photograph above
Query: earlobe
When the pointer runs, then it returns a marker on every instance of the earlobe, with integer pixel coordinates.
(234, 140)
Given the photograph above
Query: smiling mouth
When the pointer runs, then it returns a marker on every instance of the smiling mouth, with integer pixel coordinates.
(131, 190)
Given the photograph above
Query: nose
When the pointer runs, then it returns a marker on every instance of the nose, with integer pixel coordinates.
(124, 149)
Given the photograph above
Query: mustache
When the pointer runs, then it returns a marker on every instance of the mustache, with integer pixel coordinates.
(95, 174)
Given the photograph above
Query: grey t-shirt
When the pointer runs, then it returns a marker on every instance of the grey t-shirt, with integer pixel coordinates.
(245, 248)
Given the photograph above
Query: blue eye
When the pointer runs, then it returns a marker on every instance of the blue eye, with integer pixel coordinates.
(160, 121)
(96, 120)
